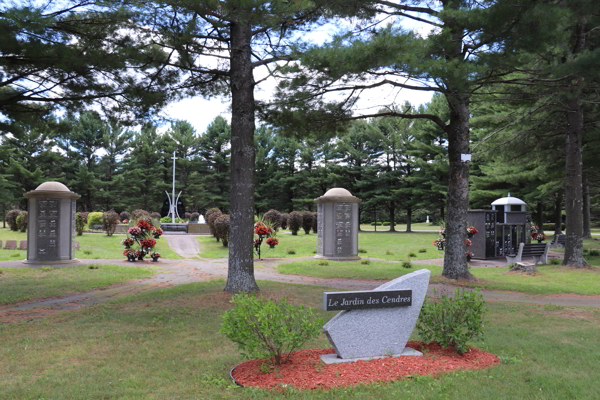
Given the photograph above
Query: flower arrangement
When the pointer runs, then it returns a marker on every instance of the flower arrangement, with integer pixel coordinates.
(471, 230)
(144, 234)
(134, 231)
(155, 256)
(439, 243)
(468, 242)
(538, 236)
(469, 254)
(442, 231)
(261, 229)
(272, 241)
(127, 242)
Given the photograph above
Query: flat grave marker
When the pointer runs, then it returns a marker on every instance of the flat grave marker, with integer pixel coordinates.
(10, 245)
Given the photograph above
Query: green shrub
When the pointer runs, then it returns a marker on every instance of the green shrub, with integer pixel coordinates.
(22, 221)
(555, 261)
(81, 220)
(110, 221)
(411, 254)
(376, 223)
(195, 216)
(273, 217)
(452, 321)
(166, 220)
(211, 216)
(307, 221)
(264, 328)
(406, 264)
(388, 253)
(422, 250)
(95, 218)
(11, 219)
(362, 250)
(284, 220)
(222, 227)
(139, 214)
(294, 222)
(124, 216)
(323, 263)
(314, 223)
(291, 251)
(365, 262)
(594, 252)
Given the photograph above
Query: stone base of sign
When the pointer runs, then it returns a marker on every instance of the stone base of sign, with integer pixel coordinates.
(198, 229)
(352, 258)
(54, 262)
(334, 359)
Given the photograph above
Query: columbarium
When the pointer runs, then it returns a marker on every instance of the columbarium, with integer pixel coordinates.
(51, 224)
(337, 225)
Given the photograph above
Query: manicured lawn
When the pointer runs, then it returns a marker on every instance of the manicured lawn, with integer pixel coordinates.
(386, 246)
(19, 284)
(165, 344)
(550, 279)
(92, 245)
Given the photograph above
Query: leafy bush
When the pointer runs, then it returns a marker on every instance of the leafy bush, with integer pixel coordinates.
(22, 221)
(166, 220)
(273, 217)
(284, 220)
(210, 219)
(422, 250)
(291, 251)
(362, 250)
(139, 214)
(124, 216)
(307, 221)
(365, 262)
(11, 219)
(222, 226)
(555, 261)
(155, 216)
(406, 264)
(110, 221)
(314, 224)
(452, 321)
(194, 216)
(187, 215)
(264, 328)
(81, 220)
(95, 218)
(594, 253)
(295, 222)
(411, 254)
(550, 227)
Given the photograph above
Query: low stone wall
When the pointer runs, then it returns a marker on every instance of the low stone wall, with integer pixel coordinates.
(199, 229)
(122, 228)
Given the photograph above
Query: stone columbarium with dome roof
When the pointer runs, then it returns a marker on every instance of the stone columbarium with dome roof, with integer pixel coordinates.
(51, 224)
(501, 229)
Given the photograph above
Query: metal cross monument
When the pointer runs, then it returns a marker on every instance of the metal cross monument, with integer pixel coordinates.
(172, 201)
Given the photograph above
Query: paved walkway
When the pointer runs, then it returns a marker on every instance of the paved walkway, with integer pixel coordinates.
(177, 272)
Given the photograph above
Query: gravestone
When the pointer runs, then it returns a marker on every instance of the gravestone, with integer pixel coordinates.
(23, 245)
(337, 225)
(51, 224)
(375, 323)
(10, 245)
(77, 245)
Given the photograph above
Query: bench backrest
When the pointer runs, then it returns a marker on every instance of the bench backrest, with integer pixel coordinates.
(534, 249)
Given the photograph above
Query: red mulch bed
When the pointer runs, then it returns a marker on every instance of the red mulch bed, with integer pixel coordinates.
(304, 369)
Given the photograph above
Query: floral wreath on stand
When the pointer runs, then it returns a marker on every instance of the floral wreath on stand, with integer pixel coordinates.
(263, 231)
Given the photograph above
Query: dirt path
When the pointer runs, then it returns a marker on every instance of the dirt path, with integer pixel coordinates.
(185, 245)
(178, 272)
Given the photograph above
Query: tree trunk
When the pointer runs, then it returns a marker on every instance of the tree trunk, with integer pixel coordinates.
(408, 219)
(240, 274)
(392, 217)
(574, 164)
(587, 218)
(574, 184)
(455, 262)
(558, 214)
(540, 215)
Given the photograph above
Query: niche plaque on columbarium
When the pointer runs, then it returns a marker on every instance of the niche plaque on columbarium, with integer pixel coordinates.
(51, 224)
(337, 225)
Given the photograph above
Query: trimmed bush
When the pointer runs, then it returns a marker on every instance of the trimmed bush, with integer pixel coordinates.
(594, 253)
(11, 219)
(155, 215)
(266, 328)
(452, 322)
(273, 217)
(406, 264)
(81, 220)
(139, 214)
(295, 220)
(284, 220)
(314, 224)
(307, 221)
(22, 221)
(110, 221)
(195, 216)
(95, 218)
(124, 216)
(210, 219)
(222, 226)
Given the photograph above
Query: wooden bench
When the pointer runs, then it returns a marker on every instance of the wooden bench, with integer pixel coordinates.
(539, 252)
(559, 241)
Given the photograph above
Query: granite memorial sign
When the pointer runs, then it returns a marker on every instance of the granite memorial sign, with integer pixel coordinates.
(375, 323)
